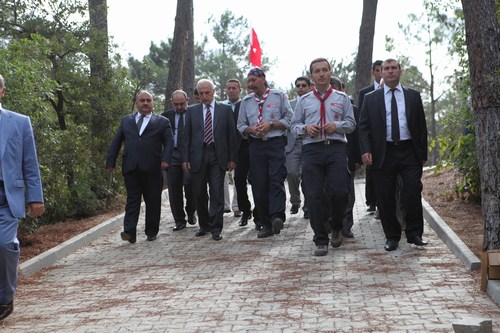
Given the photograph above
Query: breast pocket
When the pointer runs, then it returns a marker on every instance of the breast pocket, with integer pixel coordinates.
(336, 113)
(273, 114)
(311, 115)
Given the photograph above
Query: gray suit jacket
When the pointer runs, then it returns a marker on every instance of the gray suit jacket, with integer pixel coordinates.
(224, 134)
(290, 143)
(21, 174)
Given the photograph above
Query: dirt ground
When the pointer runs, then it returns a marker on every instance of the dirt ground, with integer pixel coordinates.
(465, 218)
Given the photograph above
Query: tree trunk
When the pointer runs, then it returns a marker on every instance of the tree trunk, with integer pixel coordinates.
(182, 54)
(99, 58)
(188, 68)
(482, 32)
(365, 47)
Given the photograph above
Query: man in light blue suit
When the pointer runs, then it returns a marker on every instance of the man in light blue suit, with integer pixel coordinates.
(19, 183)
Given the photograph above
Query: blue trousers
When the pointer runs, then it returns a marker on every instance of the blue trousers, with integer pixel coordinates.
(326, 187)
(9, 250)
(268, 173)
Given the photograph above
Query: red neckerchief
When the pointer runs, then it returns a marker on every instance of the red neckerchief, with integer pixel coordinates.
(322, 116)
(261, 101)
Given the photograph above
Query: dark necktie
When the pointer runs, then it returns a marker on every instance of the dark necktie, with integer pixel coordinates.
(394, 118)
(139, 123)
(180, 130)
(208, 127)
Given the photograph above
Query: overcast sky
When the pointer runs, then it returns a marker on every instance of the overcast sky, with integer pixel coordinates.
(291, 33)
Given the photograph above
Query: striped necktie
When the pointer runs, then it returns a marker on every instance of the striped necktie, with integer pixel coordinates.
(208, 139)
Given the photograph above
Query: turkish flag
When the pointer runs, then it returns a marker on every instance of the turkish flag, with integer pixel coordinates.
(255, 50)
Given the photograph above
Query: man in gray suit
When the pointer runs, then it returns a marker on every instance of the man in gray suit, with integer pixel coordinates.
(19, 183)
(293, 152)
(209, 148)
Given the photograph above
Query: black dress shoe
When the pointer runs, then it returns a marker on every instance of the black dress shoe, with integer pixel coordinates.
(264, 232)
(347, 234)
(192, 220)
(179, 227)
(127, 236)
(294, 209)
(277, 225)
(243, 222)
(6, 309)
(201, 232)
(216, 236)
(151, 238)
(391, 245)
(417, 240)
(244, 219)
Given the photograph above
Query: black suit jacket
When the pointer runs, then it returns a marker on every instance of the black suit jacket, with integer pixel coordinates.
(373, 127)
(144, 152)
(353, 153)
(224, 134)
(236, 114)
(363, 92)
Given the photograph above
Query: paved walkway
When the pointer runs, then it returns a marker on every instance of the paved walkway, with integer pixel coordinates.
(182, 283)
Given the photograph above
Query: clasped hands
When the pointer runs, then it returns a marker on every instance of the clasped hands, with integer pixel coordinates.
(314, 129)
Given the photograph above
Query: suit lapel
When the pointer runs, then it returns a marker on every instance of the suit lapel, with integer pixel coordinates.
(5, 128)
(150, 125)
(407, 104)
(383, 111)
(216, 119)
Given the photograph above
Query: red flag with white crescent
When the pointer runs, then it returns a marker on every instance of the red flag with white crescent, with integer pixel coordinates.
(255, 50)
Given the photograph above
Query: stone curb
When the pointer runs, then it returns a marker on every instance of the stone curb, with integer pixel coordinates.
(50, 257)
(449, 237)
(458, 247)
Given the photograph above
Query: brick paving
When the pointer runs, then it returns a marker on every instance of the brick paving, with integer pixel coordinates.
(183, 283)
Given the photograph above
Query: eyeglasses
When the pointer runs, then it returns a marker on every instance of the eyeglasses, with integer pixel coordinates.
(303, 85)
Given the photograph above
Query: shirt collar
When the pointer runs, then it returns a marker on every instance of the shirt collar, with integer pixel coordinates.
(398, 88)
(145, 116)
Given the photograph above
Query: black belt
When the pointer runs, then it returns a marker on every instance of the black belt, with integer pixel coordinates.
(267, 138)
(209, 145)
(329, 142)
(399, 143)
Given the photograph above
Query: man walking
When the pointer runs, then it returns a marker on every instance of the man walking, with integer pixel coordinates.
(323, 118)
(264, 117)
(148, 144)
(209, 149)
(393, 141)
(179, 181)
(19, 183)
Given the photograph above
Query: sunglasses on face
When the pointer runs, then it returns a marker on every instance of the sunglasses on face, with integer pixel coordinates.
(303, 85)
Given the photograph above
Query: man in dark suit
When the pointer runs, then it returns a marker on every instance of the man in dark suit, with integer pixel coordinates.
(371, 201)
(233, 91)
(179, 181)
(209, 149)
(20, 184)
(393, 140)
(293, 151)
(147, 149)
(353, 162)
